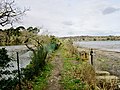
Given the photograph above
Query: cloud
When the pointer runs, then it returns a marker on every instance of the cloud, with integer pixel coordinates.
(74, 17)
(110, 10)
(68, 23)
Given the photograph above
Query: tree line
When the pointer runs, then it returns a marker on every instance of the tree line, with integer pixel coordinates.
(16, 36)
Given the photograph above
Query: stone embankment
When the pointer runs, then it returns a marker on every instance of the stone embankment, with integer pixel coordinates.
(107, 81)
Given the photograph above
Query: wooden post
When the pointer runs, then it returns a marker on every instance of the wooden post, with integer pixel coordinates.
(91, 54)
(18, 71)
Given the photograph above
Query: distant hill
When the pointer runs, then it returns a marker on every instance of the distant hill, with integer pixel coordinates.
(92, 38)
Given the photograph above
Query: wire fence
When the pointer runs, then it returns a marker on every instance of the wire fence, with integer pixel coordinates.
(21, 57)
(24, 58)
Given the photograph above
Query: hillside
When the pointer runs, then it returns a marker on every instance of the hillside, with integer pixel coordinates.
(92, 38)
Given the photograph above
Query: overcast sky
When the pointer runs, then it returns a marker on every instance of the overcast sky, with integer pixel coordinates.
(73, 17)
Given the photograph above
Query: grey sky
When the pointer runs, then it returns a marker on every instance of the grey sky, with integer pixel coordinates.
(74, 17)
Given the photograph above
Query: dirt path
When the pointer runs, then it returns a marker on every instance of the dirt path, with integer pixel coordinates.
(54, 80)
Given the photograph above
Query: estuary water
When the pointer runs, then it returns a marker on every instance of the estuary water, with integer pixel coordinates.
(102, 45)
(24, 55)
(106, 55)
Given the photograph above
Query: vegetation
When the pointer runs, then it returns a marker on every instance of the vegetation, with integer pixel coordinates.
(39, 69)
(77, 74)
(40, 82)
(43, 47)
(4, 59)
(9, 13)
(17, 36)
(93, 38)
(37, 63)
(6, 81)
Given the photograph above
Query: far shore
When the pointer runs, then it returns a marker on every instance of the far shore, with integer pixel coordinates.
(105, 60)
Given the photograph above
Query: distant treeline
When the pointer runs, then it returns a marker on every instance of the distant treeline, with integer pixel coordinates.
(93, 38)
(16, 36)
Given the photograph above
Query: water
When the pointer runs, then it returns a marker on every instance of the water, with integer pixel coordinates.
(102, 45)
(104, 60)
(24, 55)
(14, 48)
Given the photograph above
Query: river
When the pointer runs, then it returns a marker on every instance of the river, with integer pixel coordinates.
(102, 45)
(24, 55)
(106, 54)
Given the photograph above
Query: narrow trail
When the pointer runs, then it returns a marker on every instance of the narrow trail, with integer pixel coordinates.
(54, 80)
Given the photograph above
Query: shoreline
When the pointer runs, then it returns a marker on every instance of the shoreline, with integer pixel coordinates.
(105, 60)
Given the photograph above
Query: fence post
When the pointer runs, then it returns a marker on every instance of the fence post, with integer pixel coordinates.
(91, 54)
(18, 71)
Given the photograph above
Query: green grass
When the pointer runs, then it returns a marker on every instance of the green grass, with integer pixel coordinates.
(40, 82)
(76, 74)
(69, 81)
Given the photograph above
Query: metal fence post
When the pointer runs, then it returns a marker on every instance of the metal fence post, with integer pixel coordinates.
(91, 54)
(18, 71)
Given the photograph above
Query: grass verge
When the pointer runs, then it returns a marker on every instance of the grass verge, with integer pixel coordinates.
(76, 74)
(40, 82)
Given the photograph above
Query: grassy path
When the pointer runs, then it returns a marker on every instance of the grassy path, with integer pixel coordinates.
(68, 72)
(54, 79)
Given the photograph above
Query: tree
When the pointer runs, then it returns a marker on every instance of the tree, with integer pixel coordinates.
(20, 28)
(9, 13)
(4, 59)
(30, 29)
(6, 81)
(34, 30)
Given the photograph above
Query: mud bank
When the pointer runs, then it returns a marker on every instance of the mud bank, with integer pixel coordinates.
(105, 60)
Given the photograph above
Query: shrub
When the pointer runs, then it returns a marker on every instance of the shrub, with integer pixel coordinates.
(4, 59)
(37, 63)
(6, 83)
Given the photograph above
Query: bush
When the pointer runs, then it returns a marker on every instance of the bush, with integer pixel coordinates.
(6, 83)
(39, 57)
(4, 59)
(37, 63)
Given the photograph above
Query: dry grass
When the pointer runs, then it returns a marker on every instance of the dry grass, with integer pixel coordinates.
(77, 74)
(69, 49)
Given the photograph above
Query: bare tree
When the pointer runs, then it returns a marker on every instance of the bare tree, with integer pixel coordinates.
(9, 13)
